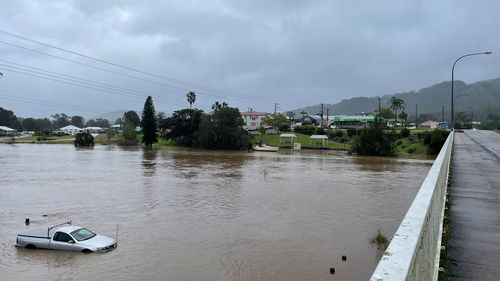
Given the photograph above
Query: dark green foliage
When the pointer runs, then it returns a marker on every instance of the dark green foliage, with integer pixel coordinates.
(335, 134)
(191, 98)
(351, 132)
(7, 118)
(492, 121)
(183, 126)
(132, 118)
(77, 121)
(277, 121)
(84, 139)
(29, 124)
(148, 123)
(61, 120)
(223, 129)
(99, 122)
(306, 129)
(129, 135)
(437, 139)
(405, 133)
(372, 141)
(320, 131)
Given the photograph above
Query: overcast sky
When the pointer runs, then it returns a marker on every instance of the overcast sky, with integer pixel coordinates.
(251, 54)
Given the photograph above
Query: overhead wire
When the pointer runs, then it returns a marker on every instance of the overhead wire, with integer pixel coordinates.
(184, 90)
(129, 68)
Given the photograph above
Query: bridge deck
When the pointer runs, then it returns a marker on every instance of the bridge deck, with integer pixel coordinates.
(474, 246)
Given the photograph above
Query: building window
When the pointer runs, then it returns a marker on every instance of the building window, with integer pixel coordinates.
(254, 124)
(254, 118)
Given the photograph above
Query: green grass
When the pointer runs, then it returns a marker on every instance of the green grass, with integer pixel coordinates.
(405, 147)
(304, 140)
(498, 131)
(51, 139)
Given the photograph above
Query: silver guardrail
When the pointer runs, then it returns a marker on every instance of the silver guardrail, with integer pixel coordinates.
(413, 253)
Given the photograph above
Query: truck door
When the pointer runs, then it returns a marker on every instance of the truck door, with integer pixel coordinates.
(62, 241)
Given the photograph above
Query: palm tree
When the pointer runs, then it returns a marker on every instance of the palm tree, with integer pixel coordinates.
(191, 98)
(396, 104)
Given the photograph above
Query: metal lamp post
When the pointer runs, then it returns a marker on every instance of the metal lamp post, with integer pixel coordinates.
(452, 73)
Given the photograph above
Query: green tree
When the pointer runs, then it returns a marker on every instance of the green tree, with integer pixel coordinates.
(396, 104)
(77, 121)
(183, 126)
(129, 135)
(29, 124)
(373, 142)
(148, 123)
(403, 115)
(131, 117)
(61, 120)
(290, 114)
(84, 139)
(303, 113)
(278, 121)
(191, 98)
(223, 129)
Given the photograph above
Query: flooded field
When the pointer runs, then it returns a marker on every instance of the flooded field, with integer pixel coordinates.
(203, 215)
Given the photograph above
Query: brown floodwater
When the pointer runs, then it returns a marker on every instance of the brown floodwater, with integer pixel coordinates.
(203, 215)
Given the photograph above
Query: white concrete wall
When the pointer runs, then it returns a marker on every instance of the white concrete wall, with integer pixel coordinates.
(413, 253)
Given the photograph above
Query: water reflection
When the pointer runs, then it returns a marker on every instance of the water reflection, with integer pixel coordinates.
(149, 161)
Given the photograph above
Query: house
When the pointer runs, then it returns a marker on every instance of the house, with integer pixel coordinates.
(70, 130)
(429, 124)
(6, 131)
(94, 130)
(253, 119)
(354, 121)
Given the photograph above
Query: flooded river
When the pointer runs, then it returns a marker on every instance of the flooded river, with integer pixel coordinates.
(203, 215)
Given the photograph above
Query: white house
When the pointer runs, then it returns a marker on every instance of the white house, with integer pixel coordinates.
(70, 129)
(252, 119)
(94, 129)
(6, 131)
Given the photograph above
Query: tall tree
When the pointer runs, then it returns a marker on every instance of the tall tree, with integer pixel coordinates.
(191, 98)
(148, 123)
(183, 126)
(131, 117)
(278, 121)
(396, 104)
(7, 118)
(77, 121)
(29, 124)
(60, 120)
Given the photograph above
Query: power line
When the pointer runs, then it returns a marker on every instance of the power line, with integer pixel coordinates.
(52, 104)
(58, 79)
(126, 75)
(81, 80)
(118, 65)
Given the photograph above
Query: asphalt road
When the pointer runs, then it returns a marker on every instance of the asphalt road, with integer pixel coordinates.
(474, 246)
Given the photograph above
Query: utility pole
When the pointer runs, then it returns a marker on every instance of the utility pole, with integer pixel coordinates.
(472, 119)
(327, 119)
(275, 106)
(321, 114)
(442, 114)
(416, 116)
(379, 107)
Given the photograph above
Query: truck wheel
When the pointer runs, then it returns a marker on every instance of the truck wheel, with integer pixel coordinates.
(86, 251)
(30, 246)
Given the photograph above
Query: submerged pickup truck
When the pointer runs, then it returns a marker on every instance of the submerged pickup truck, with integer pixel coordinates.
(65, 237)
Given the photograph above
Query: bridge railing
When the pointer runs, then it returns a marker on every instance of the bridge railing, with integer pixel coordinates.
(413, 253)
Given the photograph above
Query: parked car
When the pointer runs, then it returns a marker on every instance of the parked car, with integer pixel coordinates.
(65, 237)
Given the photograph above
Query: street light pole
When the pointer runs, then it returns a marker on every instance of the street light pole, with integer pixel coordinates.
(452, 78)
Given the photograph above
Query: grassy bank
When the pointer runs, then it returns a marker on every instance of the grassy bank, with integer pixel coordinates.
(304, 140)
(403, 147)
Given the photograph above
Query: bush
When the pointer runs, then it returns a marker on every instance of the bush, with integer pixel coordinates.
(437, 139)
(405, 133)
(351, 132)
(373, 141)
(129, 135)
(320, 131)
(306, 130)
(84, 139)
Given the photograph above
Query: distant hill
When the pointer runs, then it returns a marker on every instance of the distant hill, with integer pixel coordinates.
(481, 97)
(113, 115)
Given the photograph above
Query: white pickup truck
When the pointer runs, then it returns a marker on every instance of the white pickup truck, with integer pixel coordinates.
(65, 237)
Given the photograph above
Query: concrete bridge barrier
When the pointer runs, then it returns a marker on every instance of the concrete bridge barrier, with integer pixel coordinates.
(413, 253)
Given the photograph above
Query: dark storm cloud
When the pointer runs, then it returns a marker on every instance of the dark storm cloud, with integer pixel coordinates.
(295, 53)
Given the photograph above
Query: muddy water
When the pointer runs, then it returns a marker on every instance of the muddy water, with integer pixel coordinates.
(202, 215)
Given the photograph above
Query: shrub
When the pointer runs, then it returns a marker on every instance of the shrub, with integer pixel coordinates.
(405, 133)
(335, 134)
(84, 139)
(306, 130)
(351, 132)
(437, 139)
(129, 135)
(320, 131)
(373, 141)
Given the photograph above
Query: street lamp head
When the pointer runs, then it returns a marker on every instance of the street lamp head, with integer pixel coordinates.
(487, 53)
